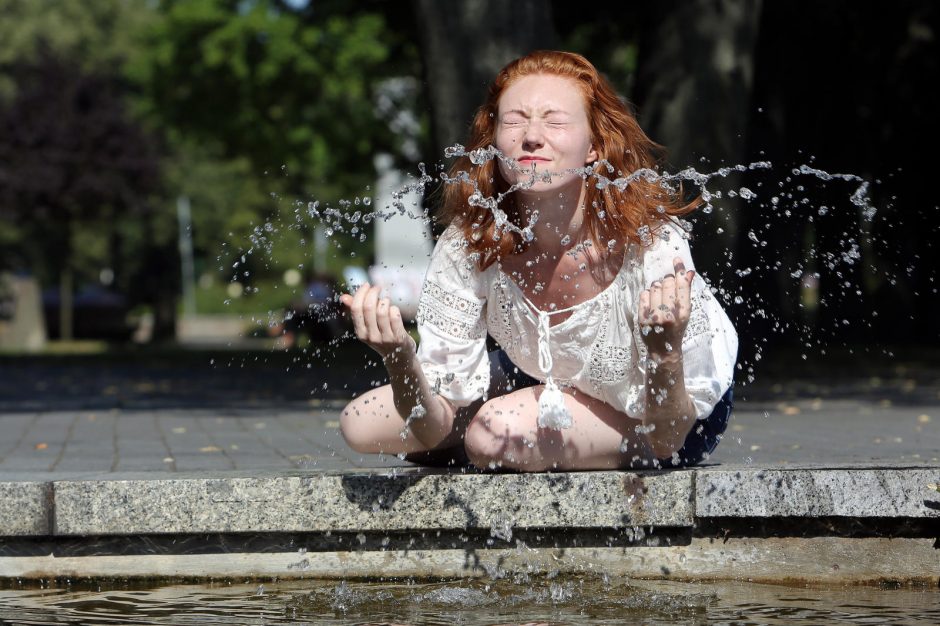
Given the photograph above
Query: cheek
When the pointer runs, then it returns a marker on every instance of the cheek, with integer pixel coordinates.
(577, 149)
(504, 170)
(506, 139)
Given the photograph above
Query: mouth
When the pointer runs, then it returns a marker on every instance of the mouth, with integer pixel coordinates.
(529, 160)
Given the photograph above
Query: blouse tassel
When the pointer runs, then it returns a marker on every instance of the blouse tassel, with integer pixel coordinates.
(552, 410)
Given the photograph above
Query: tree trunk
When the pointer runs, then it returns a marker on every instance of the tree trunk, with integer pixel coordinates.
(464, 44)
(693, 91)
(66, 302)
(161, 277)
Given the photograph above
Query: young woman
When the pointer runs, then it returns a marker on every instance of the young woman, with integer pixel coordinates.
(614, 353)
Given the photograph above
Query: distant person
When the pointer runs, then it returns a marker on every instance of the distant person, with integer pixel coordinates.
(614, 352)
(315, 313)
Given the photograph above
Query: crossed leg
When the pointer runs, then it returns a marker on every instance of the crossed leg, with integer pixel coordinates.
(505, 433)
(371, 425)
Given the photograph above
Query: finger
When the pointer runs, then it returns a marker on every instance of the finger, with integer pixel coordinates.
(397, 324)
(684, 296)
(679, 266)
(645, 313)
(382, 320)
(656, 299)
(369, 305)
(355, 311)
(669, 292)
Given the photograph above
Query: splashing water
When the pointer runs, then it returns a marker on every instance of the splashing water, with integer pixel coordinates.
(785, 203)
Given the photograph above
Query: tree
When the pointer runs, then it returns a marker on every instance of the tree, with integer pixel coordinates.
(293, 92)
(693, 89)
(69, 153)
(464, 44)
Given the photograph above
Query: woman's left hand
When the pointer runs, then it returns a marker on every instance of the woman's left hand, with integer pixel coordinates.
(664, 313)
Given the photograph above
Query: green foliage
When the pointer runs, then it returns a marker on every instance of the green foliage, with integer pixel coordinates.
(96, 36)
(292, 94)
(69, 153)
(256, 103)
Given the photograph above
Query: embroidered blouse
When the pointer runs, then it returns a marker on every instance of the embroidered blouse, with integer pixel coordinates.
(597, 350)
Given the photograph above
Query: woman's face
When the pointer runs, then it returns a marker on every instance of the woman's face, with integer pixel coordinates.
(543, 125)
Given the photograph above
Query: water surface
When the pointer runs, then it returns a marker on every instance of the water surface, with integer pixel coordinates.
(563, 600)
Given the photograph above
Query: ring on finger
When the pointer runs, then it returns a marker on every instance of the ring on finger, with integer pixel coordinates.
(663, 308)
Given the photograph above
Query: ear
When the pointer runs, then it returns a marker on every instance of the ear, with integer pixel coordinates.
(591, 156)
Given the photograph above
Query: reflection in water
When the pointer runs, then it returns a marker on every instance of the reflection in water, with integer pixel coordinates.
(560, 600)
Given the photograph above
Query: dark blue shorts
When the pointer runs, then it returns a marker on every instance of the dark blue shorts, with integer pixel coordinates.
(506, 377)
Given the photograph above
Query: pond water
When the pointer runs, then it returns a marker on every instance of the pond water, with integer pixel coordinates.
(558, 601)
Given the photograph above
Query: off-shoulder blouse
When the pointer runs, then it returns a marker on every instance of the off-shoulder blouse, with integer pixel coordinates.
(597, 349)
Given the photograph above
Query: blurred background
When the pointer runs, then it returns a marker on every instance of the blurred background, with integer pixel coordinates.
(201, 174)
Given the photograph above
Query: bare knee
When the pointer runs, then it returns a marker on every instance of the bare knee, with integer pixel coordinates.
(480, 444)
(493, 439)
(354, 426)
(364, 421)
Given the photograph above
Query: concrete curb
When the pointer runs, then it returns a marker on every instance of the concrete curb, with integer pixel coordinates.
(383, 501)
(857, 523)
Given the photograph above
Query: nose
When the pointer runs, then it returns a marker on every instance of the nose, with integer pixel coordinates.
(533, 138)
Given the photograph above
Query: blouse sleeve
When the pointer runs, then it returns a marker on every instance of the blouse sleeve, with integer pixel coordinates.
(452, 347)
(710, 343)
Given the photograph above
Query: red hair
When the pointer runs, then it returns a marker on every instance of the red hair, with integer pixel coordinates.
(615, 135)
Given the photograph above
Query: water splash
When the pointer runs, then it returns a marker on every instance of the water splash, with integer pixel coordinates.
(777, 194)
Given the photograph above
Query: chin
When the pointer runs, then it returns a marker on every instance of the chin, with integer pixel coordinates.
(557, 181)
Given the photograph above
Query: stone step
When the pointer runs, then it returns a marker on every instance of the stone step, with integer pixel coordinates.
(87, 525)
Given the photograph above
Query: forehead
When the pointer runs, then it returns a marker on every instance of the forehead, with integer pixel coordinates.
(543, 92)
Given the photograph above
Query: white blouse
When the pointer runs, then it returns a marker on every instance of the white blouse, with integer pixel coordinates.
(597, 349)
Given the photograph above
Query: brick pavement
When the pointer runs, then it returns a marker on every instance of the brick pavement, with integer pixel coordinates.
(116, 441)
(175, 440)
(245, 412)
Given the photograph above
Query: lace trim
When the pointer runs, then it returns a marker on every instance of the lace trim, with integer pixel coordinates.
(501, 325)
(455, 387)
(698, 318)
(608, 364)
(450, 313)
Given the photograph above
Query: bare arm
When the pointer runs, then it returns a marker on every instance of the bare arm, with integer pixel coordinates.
(378, 324)
(664, 315)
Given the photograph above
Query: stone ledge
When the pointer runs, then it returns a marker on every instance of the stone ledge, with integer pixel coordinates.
(832, 560)
(25, 508)
(372, 501)
(858, 493)
(419, 499)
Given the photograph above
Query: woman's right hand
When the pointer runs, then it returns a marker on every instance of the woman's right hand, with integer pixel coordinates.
(377, 322)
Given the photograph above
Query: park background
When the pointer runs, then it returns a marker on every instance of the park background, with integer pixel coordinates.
(114, 114)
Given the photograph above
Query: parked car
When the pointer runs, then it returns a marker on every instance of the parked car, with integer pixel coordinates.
(97, 313)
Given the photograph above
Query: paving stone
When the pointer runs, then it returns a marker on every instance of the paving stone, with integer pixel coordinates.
(817, 493)
(25, 460)
(25, 508)
(14, 428)
(187, 462)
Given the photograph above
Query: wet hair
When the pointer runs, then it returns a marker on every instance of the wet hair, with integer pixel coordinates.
(610, 213)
